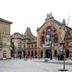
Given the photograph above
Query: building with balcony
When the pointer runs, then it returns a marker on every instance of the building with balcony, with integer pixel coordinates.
(25, 44)
(17, 48)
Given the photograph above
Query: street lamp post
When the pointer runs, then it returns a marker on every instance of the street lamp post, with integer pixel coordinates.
(64, 59)
(62, 35)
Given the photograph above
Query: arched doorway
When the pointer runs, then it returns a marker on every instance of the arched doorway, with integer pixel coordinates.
(67, 53)
(20, 54)
(32, 53)
(12, 53)
(28, 53)
(55, 53)
(35, 53)
(4, 54)
(41, 53)
(23, 53)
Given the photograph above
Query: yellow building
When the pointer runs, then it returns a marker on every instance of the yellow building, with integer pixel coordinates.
(5, 39)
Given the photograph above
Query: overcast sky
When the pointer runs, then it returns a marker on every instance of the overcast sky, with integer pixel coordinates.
(32, 13)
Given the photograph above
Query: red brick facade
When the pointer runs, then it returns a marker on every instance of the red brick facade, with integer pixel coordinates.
(58, 36)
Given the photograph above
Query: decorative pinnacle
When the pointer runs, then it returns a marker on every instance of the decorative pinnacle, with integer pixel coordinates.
(64, 22)
(49, 17)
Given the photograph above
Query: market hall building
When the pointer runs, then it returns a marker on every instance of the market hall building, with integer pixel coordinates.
(54, 38)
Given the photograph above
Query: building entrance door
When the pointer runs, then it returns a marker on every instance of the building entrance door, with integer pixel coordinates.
(48, 53)
(24, 53)
(4, 55)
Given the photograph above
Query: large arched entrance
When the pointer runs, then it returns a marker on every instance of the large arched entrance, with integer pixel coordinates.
(48, 53)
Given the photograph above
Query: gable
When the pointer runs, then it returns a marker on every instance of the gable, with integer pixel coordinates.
(53, 23)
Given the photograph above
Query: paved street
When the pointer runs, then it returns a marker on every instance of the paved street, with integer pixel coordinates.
(30, 65)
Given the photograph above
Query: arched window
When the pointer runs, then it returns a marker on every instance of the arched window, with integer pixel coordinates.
(32, 53)
(55, 38)
(55, 53)
(24, 53)
(4, 54)
(41, 53)
(24, 45)
(28, 53)
(35, 53)
(42, 39)
(43, 32)
(54, 30)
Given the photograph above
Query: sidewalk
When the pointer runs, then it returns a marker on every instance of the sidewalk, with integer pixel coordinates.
(67, 62)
